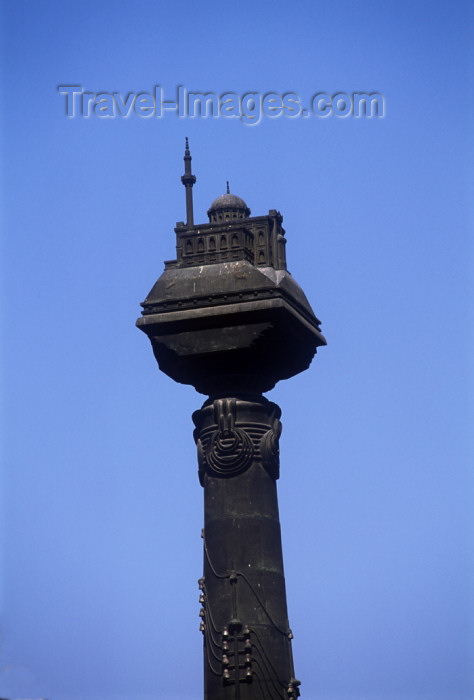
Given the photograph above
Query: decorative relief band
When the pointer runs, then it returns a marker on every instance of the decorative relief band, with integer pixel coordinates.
(270, 449)
(229, 450)
(228, 446)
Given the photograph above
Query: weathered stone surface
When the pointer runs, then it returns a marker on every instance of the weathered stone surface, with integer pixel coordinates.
(228, 318)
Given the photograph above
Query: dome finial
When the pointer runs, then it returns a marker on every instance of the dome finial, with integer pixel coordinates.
(227, 183)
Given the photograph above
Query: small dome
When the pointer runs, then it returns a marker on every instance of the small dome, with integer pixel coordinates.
(228, 207)
(228, 200)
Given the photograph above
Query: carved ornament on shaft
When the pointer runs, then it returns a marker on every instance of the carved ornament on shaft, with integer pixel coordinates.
(228, 447)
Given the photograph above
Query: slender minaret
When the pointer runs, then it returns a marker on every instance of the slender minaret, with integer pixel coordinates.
(227, 318)
(188, 180)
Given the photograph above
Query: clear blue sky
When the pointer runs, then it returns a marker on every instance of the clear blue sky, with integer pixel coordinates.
(102, 508)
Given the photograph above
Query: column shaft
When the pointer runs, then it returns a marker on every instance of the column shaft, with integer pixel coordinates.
(247, 641)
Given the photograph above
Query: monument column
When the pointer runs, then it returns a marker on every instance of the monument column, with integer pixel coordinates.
(247, 640)
(227, 318)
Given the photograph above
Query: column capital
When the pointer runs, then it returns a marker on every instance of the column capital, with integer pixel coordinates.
(232, 434)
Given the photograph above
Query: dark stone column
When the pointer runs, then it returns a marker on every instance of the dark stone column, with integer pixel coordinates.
(228, 318)
(247, 640)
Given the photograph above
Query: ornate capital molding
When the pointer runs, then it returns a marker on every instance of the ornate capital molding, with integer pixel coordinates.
(232, 434)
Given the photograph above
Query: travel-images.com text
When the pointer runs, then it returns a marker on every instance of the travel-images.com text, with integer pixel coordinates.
(250, 107)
